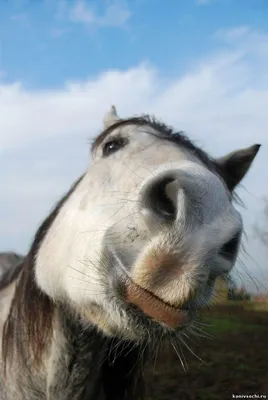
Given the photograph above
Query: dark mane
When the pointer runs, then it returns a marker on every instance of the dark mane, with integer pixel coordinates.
(29, 322)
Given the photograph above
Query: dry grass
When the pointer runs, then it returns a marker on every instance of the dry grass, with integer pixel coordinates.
(236, 360)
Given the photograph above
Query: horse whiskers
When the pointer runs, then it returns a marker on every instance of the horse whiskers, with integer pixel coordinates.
(185, 367)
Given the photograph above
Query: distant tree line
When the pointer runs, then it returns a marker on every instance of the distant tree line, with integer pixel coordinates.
(238, 294)
(262, 231)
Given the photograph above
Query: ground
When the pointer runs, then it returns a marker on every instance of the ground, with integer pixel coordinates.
(235, 360)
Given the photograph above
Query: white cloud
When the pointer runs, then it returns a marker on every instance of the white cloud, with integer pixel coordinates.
(116, 14)
(221, 102)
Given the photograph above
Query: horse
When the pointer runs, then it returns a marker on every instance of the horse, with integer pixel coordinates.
(10, 264)
(126, 260)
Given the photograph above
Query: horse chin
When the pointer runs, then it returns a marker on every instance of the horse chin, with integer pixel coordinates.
(130, 312)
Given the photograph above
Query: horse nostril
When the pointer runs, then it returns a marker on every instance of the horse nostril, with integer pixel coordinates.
(229, 249)
(159, 200)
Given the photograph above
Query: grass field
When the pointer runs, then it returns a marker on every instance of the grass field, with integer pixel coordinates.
(235, 359)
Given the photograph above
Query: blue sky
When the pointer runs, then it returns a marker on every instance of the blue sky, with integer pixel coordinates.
(45, 42)
(199, 65)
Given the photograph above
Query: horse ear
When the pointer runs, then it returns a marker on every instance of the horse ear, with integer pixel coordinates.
(235, 165)
(110, 117)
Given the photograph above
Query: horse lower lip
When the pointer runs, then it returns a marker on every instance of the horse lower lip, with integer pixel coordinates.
(154, 307)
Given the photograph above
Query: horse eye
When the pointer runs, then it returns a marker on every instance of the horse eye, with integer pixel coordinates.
(113, 146)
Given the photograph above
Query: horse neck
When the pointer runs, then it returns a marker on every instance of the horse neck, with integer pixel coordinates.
(84, 365)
